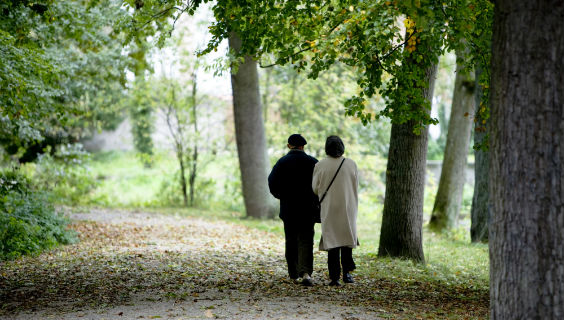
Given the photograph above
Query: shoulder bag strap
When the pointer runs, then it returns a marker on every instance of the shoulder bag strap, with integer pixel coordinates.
(325, 193)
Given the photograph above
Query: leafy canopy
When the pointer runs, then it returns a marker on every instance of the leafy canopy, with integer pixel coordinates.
(377, 39)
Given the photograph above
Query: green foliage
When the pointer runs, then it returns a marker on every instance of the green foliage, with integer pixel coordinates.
(310, 107)
(363, 35)
(472, 21)
(170, 195)
(122, 182)
(65, 174)
(28, 221)
(141, 111)
(61, 67)
(388, 58)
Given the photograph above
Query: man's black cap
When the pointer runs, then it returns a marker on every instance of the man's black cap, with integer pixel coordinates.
(297, 140)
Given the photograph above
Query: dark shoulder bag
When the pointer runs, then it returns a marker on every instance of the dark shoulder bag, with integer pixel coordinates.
(317, 212)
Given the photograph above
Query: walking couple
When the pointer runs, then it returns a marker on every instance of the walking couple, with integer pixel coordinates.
(301, 183)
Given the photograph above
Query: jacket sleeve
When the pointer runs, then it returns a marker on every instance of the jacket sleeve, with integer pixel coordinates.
(274, 181)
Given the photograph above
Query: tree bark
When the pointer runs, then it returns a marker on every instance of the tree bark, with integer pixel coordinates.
(480, 201)
(402, 221)
(526, 161)
(451, 184)
(250, 136)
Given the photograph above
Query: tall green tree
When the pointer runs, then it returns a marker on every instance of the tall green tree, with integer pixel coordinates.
(250, 134)
(140, 109)
(481, 43)
(402, 220)
(249, 125)
(527, 161)
(451, 184)
(480, 211)
(180, 107)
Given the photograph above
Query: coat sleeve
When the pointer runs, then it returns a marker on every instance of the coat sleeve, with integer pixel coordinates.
(274, 181)
(315, 180)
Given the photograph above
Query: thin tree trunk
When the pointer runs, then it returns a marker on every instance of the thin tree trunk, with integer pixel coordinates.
(402, 221)
(193, 172)
(178, 137)
(527, 161)
(480, 201)
(180, 157)
(451, 184)
(250, 136)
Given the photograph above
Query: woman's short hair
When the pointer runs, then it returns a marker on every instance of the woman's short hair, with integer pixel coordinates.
(334, 146)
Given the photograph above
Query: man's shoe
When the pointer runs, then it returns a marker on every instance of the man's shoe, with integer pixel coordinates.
(347, 278)
(335, 283)
(306, 280)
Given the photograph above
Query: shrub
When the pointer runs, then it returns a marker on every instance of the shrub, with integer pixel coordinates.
(170, 193)
(28, 221)
(66, 174)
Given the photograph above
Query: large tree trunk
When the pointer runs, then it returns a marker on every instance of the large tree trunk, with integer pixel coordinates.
(527, 161)
(402, 221)
(480, 200)
(250, 136)
(451, 184)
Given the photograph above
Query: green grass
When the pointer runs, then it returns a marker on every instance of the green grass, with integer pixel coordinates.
(124, 182)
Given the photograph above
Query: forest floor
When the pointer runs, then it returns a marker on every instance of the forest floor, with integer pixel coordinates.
(136, 265)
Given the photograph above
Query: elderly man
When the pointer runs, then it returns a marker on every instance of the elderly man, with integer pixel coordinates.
(290, 181)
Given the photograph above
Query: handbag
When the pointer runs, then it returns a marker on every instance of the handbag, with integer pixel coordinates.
(317, 208)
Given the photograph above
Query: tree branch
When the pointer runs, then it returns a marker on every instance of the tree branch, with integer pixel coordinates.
(302, 50)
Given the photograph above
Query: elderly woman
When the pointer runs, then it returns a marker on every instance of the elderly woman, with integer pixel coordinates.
(335, 181)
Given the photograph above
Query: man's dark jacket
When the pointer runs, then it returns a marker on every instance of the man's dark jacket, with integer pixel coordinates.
(290, 181)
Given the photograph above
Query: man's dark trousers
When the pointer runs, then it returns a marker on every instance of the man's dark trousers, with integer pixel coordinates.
(299, 247)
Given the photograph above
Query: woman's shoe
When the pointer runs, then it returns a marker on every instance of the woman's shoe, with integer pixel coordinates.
(347, 278)
(335, 283)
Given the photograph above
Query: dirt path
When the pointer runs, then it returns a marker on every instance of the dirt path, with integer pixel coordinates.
(131, 265)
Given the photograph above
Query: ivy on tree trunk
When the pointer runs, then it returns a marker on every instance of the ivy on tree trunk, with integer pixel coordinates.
(480, 200)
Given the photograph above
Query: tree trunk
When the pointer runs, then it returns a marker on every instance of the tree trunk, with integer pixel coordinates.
(180, 157)
(401, 231)
(527, 161)
(175, 129)
(480, 201)
(451, 184)
(250, 136)
(194, 169)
